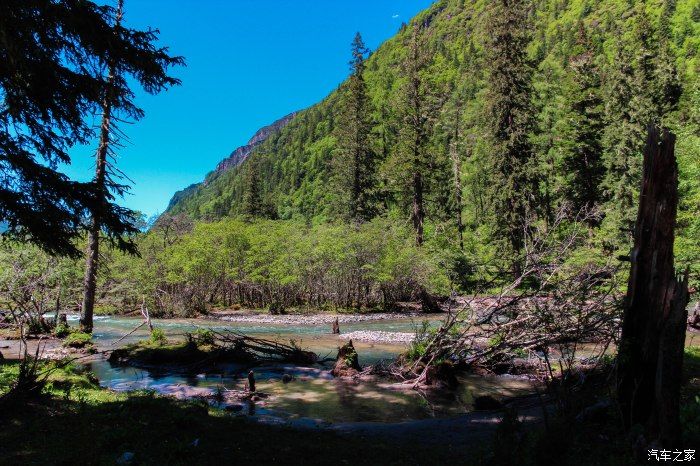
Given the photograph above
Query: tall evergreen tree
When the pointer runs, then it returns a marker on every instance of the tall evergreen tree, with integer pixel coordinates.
(148, 67)
(49, 84)
(510, 114)
(668, 85)
(622, 136)
(252, 199)
(416, 118)
(355, 161)
(582, 162)
(642, 88)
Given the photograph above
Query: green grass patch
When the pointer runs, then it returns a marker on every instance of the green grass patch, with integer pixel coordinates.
(78, 340)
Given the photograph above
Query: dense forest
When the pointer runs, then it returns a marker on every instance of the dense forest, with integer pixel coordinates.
(430, 166)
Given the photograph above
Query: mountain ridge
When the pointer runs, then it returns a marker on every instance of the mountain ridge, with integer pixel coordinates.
(235, 158)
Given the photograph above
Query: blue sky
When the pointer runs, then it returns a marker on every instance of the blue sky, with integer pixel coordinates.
(249, 62)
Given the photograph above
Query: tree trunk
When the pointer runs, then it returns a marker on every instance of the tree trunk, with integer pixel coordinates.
(418, 213)
(93, 251)
(653, 329)
(457, 173)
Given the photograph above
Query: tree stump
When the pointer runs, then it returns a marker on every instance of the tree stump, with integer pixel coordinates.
(428, 302)
(650, 355)
(347, 363)
(251, 381)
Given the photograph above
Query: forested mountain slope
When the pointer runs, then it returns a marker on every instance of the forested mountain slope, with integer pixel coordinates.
(625, 63)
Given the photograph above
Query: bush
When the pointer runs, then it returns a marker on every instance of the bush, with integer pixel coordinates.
(78, 340)
(62, 331)
(158, 336)
(202, 336)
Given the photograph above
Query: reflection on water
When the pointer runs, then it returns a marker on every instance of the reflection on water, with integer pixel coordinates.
(313, 393)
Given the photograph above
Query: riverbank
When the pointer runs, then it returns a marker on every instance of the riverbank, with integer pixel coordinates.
(89, 425)
(76, 421)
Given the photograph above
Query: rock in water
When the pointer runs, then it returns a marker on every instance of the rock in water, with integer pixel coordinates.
(286, 378)
(347, 364)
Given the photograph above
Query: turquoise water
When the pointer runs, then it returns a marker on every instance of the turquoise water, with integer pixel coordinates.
(313, 395)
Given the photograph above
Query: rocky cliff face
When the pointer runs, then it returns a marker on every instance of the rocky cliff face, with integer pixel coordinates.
(236, 158)
(240, 154)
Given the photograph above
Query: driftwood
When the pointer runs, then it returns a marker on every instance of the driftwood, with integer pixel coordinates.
(563, 306)
(653, 329)
(262, 350)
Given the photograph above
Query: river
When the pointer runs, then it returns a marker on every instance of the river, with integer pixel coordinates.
(314, 396)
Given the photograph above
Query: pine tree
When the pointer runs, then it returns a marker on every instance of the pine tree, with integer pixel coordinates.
(149, 69)
(510, 114)
(48, 87)
(622, 137)
(668, 86)
(582, 162)
(416, 120)
(642, 88)
(252, 200)
(354, 164)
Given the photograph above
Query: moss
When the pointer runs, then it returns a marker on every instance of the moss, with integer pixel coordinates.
(78, 340)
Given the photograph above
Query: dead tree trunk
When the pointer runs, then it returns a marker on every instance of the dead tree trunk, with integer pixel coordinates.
(653, 329)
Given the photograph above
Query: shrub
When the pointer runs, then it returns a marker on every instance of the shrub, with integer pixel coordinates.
(61, 331)
(78, 340)
(202, 336)
(158, 336)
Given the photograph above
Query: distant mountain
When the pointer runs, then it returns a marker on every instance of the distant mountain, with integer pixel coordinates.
(293, 157)
(236, 158)
(239, 155)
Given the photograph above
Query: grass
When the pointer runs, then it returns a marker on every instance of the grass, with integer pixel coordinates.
(78, 340)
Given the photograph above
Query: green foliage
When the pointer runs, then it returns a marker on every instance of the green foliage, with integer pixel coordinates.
(78, 340)
(202, 337)
(158, 337)
(580, 107)
(62, 331)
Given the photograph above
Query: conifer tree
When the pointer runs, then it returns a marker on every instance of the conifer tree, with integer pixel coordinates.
(354, 165)
(252, 200)
(416, 120)
(582, 163)
(510, 115)
(642, 88)
(49, 85)
(668, 86)
(149, 68)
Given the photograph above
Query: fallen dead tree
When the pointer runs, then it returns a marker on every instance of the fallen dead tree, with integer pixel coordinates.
(564, 305)
(208, 348)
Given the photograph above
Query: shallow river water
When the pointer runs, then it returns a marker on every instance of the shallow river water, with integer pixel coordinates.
(313, 396)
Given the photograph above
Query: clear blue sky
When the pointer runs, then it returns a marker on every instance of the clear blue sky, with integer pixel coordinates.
(249, 62)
